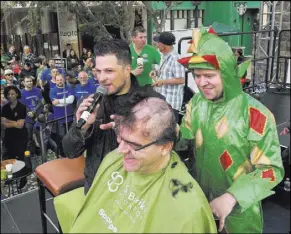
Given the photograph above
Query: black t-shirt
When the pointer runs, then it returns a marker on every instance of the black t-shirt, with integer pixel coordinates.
(19, 112)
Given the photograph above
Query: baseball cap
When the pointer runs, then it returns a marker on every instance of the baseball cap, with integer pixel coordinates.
(167, 38)
(156, 38)
(8, 71)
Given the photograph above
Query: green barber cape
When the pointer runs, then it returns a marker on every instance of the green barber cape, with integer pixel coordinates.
(167, 201)
(150, 56)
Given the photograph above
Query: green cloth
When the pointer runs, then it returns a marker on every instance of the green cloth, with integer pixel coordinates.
(67, 206)
(236, 143)
(119, 201)
(201, 66)
(150, 56)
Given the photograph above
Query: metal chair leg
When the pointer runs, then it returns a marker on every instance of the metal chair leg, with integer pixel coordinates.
(9, 190)
(42, 204)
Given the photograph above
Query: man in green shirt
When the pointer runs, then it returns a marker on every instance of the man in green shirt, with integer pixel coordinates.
(143, 56)
(141, 187)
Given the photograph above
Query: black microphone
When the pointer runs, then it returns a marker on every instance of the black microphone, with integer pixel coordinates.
(100, 91)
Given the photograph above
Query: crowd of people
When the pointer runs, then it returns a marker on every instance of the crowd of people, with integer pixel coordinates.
(134, 179)
(31, 86)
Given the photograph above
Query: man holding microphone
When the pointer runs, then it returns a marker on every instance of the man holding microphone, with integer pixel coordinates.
(113, 65)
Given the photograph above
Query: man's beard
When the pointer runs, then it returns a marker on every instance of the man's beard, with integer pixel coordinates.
(119, 89)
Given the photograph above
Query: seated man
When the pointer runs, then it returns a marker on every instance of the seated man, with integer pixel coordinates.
(142, 186)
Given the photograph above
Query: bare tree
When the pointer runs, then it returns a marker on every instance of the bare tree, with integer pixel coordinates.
(93, 17)
(159, 16)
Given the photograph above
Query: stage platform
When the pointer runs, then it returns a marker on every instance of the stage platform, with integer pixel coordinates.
(21, 213)
(279, 104)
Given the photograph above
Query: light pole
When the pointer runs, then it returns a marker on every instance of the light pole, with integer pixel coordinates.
(196, 12)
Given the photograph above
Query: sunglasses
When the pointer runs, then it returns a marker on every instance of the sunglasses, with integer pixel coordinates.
(9, 74)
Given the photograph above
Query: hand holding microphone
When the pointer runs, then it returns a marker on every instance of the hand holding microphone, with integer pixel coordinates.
(86, 113)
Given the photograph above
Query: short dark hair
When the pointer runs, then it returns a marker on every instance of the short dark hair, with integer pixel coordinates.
(116, 47)
(7, 90)
(37, 60)
(74, 65)
(137, 30)
(165, 130)
(27, 63)
(28, 77)
(240, 52)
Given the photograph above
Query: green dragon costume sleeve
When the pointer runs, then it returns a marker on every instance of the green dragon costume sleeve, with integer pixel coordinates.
(237, 148)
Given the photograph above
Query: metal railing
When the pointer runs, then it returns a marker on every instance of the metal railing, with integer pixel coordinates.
(269, 59)
(285, 59)
(42, 125)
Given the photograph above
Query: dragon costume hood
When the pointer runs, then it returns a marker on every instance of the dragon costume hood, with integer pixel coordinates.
(212, 52)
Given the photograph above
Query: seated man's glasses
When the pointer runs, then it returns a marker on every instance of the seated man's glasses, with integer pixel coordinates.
(135, 146)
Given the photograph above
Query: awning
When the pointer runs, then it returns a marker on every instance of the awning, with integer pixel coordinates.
(223, 28)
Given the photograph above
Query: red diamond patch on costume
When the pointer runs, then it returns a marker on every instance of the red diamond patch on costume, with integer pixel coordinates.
(269, 173)
(225, 160)
(257, 120)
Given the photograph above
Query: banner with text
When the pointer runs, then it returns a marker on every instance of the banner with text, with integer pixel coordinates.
(61, 63)
(68, 31)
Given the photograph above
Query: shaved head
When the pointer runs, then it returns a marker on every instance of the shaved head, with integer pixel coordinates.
(154, 116)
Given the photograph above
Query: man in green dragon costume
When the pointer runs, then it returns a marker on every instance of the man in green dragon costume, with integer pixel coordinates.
(237, 151)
